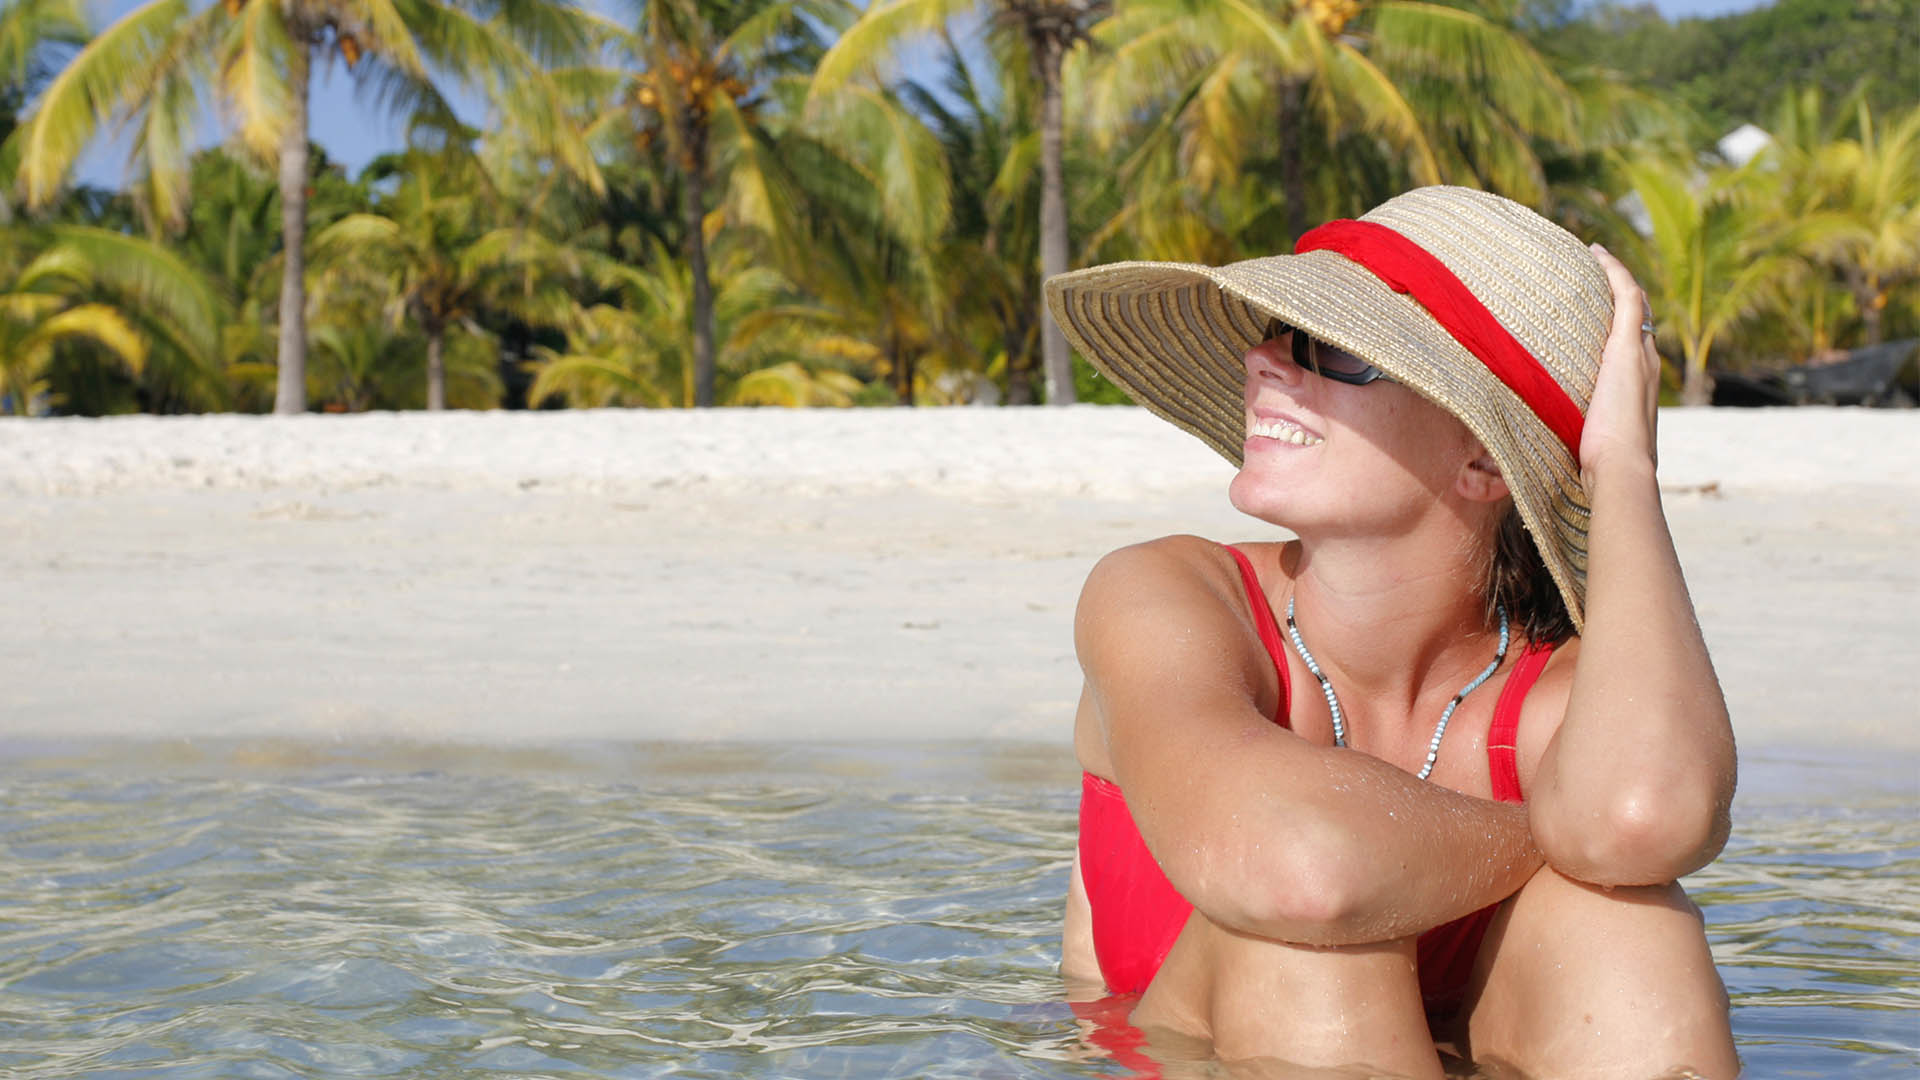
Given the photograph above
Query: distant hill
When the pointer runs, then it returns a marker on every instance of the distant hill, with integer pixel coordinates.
(1731, 68)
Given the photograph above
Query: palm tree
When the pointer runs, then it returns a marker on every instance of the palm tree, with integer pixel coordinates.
(1708, 260)
(637, 351)
(357, 363)
(74, 283)
(163, 61)
(1045, 31)
(873, 236)
(1255, 101)
(363, 360)
(232, 237)
(1855, 205)
(992, 151)
(433, 247)
(27, 27)
(699, 91)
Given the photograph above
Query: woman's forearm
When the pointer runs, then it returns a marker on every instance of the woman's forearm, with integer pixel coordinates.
(1352, 850)
(1634, 787)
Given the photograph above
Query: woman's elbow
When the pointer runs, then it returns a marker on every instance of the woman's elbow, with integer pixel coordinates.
(1301, 891)
(1642, 835)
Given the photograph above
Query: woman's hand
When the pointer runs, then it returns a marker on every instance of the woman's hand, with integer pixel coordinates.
(1626, 395)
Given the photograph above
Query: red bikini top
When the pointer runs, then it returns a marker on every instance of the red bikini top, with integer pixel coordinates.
(1137, 913)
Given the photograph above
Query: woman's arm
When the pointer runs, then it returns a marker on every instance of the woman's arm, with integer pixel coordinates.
(1633, 788)
(1264, 832)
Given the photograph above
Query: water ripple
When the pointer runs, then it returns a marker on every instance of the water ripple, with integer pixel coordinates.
(427, 924)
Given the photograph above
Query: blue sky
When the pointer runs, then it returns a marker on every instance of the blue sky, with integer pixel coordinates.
(353, 134)
(1680, 9)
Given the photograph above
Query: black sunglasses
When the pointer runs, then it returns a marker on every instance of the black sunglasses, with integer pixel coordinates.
(1327, 361)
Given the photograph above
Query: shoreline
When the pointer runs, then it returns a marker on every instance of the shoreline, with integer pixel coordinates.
(1771, 774)
(1090, 450)
(747, 575)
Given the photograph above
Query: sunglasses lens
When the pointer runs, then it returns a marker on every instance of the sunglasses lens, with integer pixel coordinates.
(1338, 361)
(1328, 360)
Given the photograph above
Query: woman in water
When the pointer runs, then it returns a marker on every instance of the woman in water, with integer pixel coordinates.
(1428, 772)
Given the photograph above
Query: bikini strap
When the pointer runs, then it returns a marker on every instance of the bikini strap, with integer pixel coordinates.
(1269, 628)
(1501, 764)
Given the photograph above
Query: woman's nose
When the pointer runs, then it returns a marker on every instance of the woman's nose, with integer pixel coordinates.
(1273, 359)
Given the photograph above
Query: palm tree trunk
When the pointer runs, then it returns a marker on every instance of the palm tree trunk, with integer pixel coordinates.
(1696, 386)
(436, 370)
(900, 366)
(1055, 357)
(1819, 323)
(1870, 317)
(693, 209)
(1867, 300)
(290, 391)
(1018, 342)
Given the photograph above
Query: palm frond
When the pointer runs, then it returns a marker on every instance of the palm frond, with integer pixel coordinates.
(869, 44)
(259, 56)
(153, 277)
(896, 153)
(26, 26)
(1427, 39)
(1263, 35)
(1377, 100)
(159, 157)
(99, 323)
(791, 385)
(114, 70)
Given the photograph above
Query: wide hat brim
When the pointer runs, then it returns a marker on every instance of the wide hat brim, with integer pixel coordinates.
(1172, 335)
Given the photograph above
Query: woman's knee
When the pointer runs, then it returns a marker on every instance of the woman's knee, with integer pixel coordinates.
(1579, 981)
(1253, 998)
(1623, 919)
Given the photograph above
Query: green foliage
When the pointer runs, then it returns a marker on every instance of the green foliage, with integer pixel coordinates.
(1095, 388)
(852, 230)
(791, 385)
(79, 305)
(1728, 70)
(435, 255)
(1708, 260)
(637, 349)
(31, 31)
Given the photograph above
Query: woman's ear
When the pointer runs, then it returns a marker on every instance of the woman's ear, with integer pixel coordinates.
(1479, 479)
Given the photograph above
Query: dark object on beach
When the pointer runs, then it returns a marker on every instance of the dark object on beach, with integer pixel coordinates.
(1869, 376)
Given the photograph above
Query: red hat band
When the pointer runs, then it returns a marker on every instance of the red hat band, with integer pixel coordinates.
(1406, 267)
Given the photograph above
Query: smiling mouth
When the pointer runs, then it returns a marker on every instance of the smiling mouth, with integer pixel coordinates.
(1267, 427)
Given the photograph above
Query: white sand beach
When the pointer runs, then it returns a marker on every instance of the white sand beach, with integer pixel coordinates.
(790, 575)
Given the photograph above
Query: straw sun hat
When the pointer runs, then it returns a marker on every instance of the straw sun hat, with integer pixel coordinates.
(1471, 300)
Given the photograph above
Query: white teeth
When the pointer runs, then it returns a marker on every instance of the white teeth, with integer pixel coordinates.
(1273, 428)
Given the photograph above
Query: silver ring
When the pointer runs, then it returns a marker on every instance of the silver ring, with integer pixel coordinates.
(1646, 324)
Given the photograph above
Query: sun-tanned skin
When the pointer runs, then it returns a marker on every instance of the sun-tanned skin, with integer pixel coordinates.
(1311, 868)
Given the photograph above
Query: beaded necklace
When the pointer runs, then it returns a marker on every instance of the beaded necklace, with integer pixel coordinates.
(1333, 702)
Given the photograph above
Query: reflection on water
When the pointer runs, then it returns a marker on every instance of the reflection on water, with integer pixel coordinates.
(291, 910)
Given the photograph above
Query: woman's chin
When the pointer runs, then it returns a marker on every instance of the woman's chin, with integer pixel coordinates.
(1257, 495)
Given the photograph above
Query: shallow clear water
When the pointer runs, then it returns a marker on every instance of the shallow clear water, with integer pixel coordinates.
(290, 910)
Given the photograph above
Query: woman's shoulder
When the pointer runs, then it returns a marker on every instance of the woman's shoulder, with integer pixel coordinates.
(1165, 628)
(1171, 570)
(1179, 546)
(1183, 554)
(1175, 581)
